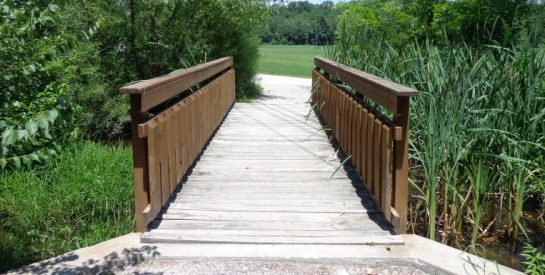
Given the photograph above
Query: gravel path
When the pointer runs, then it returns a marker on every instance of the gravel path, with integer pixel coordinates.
(279, 266)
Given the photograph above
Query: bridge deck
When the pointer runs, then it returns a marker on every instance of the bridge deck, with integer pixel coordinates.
(268, 176)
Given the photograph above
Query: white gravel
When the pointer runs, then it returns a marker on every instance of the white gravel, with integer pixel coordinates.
(278, 266)
(284, 89)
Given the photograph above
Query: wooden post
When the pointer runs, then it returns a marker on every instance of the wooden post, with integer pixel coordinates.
(401, 169)
(139, 156)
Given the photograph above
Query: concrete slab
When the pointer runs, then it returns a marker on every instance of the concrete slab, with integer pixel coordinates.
(123, 253)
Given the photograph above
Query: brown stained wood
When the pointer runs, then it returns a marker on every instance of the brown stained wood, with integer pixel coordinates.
(353, 132)
(401, 160)
(184, 125)
(357, 139)
(363, 144)
(350, 129)
(164, 156)
(336, 124)
(140, 171)
(377, 144)
(174, 139)
(154, 160)
(369, 151)
(382, 91)
(174, 149)
(242, 190)
(345, 110)
(386, 172)
(157, 90)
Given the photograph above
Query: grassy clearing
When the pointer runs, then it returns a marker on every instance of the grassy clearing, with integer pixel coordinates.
(81, 198)
(289, 60)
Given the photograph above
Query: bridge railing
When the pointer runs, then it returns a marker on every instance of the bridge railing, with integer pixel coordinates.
(170, 126)
(358, 117)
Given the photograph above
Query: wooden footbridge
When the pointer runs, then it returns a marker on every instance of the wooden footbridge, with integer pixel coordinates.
(332, 169)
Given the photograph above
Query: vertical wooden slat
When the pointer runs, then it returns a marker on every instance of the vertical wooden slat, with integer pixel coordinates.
(139, 157)
(154, 169)
(386, 167)
(353, 133)
(363, 144)
(171, 139)
(401, 159)
(184, 126)
(369, 151)
(377, 130)
(350, 129)
(163, 155)
(357, 139)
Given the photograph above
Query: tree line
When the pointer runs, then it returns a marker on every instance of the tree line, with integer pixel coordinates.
(300, 23)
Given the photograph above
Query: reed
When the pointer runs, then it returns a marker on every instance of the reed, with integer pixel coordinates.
(477, 129)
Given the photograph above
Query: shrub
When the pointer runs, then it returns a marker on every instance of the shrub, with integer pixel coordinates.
(83, 197)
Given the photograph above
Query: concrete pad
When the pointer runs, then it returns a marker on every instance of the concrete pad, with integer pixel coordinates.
(418, 253)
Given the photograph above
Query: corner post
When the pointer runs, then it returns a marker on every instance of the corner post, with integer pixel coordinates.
(139, 148)
(401, 165)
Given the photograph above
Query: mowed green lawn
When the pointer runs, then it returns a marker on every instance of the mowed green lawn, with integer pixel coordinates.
(290, 60)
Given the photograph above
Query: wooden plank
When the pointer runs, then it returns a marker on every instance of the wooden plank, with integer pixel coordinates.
(163, 152)
(382, 91)
(268, 208)
(363, 144)
(350, 128)
(270, 216)
(206, 238)
(156, 90)
(401, 161)
(377, 150)
(154, 160)
(369, 151)
(358, 142)
(386, 170)
(267, 233)
(140, 168)
(360, 225)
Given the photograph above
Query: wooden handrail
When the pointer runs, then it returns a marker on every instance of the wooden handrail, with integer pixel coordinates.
(165, 146)
(379, 146)
(384, 92)
(159, 89)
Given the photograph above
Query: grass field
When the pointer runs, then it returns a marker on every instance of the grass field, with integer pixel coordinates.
(290, 60)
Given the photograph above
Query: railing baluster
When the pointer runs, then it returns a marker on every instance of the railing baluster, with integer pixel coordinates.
(378, 145)
(165, 146)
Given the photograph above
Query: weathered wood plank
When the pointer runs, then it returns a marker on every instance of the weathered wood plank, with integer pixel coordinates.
(268, 176)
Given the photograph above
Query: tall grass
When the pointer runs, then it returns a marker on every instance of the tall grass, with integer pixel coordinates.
(79, 199)
(477, 130)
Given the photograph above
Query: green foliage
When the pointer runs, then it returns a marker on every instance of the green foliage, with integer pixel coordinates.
(32, 55)
(300, 23)
(385, 20)
(82, 197)
(534, 260)
(71, 57)
(30, 144)
(472, 21)
(477, 128)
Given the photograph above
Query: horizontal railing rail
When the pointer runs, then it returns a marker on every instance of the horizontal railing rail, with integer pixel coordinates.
(377, 145)
(165, 145)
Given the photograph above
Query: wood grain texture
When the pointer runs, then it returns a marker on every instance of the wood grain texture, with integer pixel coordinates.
(268, 176)
(173, 140)
(376, 144)
(157, 90)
